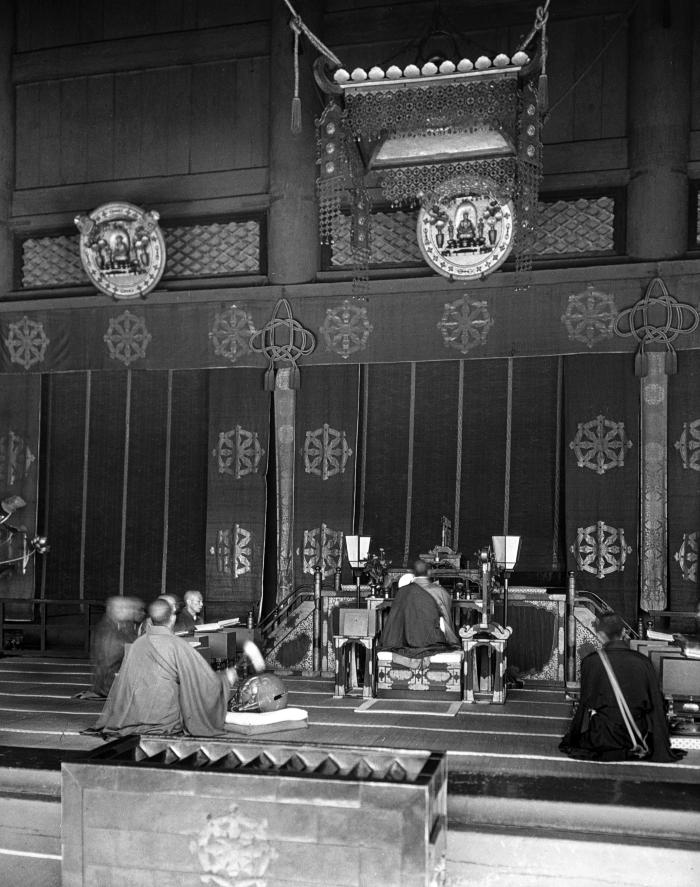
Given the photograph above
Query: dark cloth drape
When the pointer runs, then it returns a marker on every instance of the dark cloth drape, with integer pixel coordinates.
(20, 404)
(603, 385)
(473, 441)
(239, 426)
(325, 461)
(684, 483)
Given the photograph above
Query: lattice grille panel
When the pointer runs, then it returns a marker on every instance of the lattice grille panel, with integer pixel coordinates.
(580, 226)
(211, 250)
(393, 240)
(214, 249)
(586, 225)
(52, 261)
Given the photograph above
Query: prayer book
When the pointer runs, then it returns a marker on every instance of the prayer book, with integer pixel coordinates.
(659, 636)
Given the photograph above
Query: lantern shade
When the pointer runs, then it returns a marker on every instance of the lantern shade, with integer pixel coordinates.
(506, 550)
(358, 550)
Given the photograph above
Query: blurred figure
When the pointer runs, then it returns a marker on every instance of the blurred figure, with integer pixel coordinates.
(165, 686)
(191, 613)
(116, 629)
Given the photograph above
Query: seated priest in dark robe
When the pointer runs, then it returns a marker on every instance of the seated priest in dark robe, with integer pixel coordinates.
(116, 629)
(419, 623)
(165, 687)
(191, 613)
(598, 729)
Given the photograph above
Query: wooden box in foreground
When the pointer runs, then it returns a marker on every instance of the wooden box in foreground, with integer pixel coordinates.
(157, 812)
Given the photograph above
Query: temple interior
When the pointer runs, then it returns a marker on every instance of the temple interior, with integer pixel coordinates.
(349, 443)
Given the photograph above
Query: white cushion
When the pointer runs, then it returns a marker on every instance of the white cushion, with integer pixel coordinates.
(255, 718)
(450, 656)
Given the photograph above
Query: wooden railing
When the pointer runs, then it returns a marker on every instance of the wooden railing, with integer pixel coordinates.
(85, 610)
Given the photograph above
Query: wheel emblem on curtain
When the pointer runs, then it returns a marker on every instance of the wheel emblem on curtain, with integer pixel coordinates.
(687, 557)
(230, 333)
(346, 329)
(15, 458)
(238, 452)
(233, 551)
(26, 342)
(326, 452)
(590, 316)
(465, 323)
(127, 338)
(323, 547)
(600, 549)
(688, 445)
(600, 444)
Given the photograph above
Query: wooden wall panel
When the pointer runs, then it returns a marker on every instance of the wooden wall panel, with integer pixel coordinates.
(42, 24)
(143, 124)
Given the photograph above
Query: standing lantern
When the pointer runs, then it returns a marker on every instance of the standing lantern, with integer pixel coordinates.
(506, 550)
(358, 555)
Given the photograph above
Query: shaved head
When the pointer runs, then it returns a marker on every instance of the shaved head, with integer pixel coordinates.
(420, 568)
(161, 612)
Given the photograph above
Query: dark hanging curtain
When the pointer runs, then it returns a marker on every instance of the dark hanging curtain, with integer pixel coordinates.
(386, 447)
(603, 385)
(326, 457)
(239, 409)
(473, 441)
(20, 404)
(684, 483)
(125, 460)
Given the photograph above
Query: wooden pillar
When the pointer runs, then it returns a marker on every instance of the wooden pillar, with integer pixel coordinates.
(7, 143)
(660, 49)
(293, 246)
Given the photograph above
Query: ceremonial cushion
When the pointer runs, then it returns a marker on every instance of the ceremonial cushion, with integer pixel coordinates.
(253, 722)
(441, 671)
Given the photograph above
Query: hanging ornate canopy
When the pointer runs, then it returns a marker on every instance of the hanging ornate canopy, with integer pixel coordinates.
(459, 140)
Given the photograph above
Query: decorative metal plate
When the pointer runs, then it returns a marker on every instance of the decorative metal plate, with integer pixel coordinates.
(122, 249)
(467, 231)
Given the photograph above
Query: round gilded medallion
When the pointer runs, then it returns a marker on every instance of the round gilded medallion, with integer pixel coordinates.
(122, 249)
(465, 231)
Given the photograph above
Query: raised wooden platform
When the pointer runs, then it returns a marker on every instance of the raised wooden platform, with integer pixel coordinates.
(511, 793)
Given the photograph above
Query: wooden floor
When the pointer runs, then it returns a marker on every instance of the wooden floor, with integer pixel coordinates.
(38, 710)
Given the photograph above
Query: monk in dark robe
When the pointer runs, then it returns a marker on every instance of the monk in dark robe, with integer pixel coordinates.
(165, 686)
(116, 629)
(191, 613)
(420, 622)
(598, 730)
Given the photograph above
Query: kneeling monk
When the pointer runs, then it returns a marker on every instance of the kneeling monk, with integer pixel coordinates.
(420, 622)
(598, 729)
(165, 686)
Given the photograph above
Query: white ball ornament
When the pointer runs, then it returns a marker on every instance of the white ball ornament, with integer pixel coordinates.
(465, 66)
(359, 74)
(429, 69)
(481, 64)
(394, 73)
(447, 67)
(501, 60)
(376, 73)
(341, 76)
(411, 71)
(520, 59)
